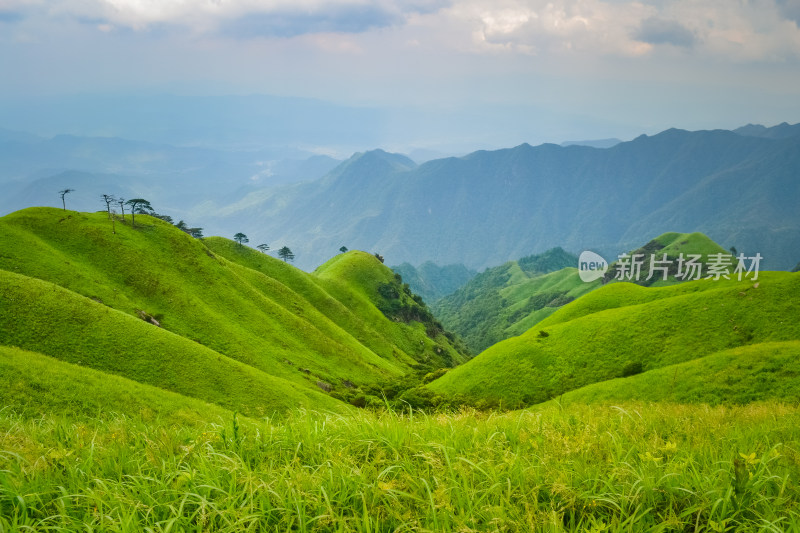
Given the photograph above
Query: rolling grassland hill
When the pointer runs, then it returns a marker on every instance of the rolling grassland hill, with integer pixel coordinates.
(509, 299)
(747, 374)
(622, 330)
(125, 358)
(213, 321)
(487, 306)
(32, 383)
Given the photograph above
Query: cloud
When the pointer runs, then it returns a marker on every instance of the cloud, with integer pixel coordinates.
(760, 30)
(290, 23)
(245, 18)
(568, 26)
(655, 30)
(790, 9)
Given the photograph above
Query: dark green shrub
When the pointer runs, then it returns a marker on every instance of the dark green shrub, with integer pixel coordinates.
(436, 374)
(631, 369)
(388, 291)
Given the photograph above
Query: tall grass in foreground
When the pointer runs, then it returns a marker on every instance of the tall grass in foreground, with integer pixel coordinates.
(583, 468)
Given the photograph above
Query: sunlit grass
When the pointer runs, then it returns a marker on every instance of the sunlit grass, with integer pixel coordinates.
(212, 320)
(622, 329)
(636, 467)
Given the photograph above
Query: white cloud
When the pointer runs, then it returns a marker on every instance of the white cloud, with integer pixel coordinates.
(206, 16)
(739, 31)
(752, 31)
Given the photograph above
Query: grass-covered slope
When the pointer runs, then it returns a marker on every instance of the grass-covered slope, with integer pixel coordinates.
(501, 301)
(42, 317)
(346, 290)
(226, 299)
(622, 329)
(615, 469)
(673, 245)
(758, 372)
(32, 383)
(507, 300)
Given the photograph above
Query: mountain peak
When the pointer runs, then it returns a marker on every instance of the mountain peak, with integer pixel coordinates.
(594, 143)
(371, 164)
(784, 130)
(381, 155)
(374, 162)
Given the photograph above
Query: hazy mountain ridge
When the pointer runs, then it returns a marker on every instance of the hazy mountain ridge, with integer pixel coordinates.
(230, 122)
(781, 131)
(479, 210)
(595, 143)
(491, 206)
(33, 169)
(432, 281)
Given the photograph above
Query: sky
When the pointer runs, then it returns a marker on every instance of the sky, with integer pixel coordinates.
(519, 70)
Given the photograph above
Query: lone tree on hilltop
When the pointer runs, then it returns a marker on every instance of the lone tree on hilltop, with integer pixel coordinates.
(343, 249)
(138, 205)
(263, 247)
(63, 193)
(286, 254)
(241, 238)
(121, 202)
(108, 199)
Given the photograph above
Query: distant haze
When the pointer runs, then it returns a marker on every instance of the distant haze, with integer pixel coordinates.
(402, 75)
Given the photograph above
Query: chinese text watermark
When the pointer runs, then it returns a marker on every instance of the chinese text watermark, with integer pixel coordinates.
(686, 267)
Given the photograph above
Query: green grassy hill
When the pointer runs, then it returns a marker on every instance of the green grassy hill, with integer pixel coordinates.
(31, 383)
(759, 372)
(501, 301)
(673, 245)
(507, 300)
(622, 329)
(42, 317)
(211, 320)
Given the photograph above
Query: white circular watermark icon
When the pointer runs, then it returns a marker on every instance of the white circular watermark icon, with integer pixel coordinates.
(591, 266)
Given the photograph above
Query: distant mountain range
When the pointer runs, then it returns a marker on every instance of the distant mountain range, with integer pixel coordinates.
(739, 188)
(598, 143)
(175, 179)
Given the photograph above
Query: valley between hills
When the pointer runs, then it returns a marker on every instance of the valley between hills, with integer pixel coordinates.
(152, 381)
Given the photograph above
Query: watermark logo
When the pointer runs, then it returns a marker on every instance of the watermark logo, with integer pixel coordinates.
(685, 267)
(591, 266)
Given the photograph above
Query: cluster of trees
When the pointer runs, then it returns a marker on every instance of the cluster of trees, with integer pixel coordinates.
(140, 206)
(284, 253)
(399, 303)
